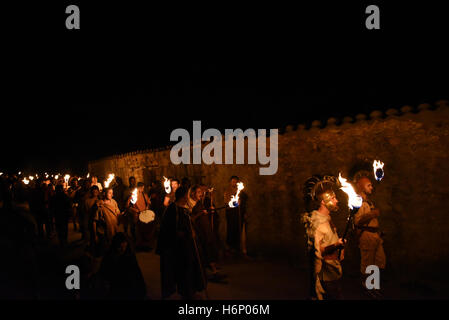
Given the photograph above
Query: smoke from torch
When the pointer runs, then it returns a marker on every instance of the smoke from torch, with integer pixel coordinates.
(134, 196)
(167, 185)
(378, 168)
(235, 199)
(354, 200)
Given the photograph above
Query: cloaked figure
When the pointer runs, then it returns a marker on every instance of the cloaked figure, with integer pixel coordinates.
(180, 264)
(120, 272)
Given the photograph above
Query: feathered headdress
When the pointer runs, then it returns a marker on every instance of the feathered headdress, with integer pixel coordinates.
(316, 184)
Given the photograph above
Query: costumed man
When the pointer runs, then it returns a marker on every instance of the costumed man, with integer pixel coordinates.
(144, 232)
(324, 246)
(202, 227)
(170, 198)
(367, 225)
(236, 219)
(214, 218)
(181, 268)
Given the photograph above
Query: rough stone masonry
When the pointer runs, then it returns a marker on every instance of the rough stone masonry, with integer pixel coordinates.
(413, 144)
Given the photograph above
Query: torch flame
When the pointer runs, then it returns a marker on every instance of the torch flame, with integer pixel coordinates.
(26, 181)
(134, 196)
(354, 200)
(110, 178)
(167, 185)
(66, 178)
(378, 168)
(88, 175)
(31, 178)
(235, 199)
(56, 177)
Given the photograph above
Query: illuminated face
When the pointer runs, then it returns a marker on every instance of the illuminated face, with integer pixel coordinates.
(174, 186)
(95, 192)
(199, 194)
(110, 194)
(365, 186)
(329, 200)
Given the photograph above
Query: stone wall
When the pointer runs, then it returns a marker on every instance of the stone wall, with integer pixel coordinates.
(412, 142)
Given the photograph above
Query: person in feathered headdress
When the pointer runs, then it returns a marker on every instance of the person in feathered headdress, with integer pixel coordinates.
(323, 243)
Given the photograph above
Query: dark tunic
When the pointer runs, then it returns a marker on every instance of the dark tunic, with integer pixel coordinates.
(123, 274)
(180, 270)
(203, 228)
(235, 218)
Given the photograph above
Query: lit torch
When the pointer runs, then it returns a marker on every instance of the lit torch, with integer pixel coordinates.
(354, 203)
(56, 177)
(134, 196)
(378, 168)
(167, 185)
(235, 199)
(108, 182)
(88, 175)
(66, 181)
(31, 178)
(26, 181)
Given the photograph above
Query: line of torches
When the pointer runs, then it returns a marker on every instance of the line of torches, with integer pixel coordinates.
(26, 180)
(354, 200)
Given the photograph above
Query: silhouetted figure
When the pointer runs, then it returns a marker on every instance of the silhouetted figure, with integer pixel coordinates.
(120, 271)
(61, 209)
(181, 270)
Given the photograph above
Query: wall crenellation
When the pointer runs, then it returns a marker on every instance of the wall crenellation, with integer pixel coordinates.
(331, 122)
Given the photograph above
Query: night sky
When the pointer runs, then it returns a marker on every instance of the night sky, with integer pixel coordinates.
(133, 74)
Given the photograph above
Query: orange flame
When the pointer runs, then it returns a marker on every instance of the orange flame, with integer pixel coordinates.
(134, 196)
(377, 164)
(26, 181)
(167, 185)
(108, 182)
(235, 199)
(354, 200)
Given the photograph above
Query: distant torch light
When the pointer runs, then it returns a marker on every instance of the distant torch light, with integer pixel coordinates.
(378, 168)
(134, 196)
(167, 185)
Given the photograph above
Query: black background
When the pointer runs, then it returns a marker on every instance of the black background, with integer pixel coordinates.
(134, 73)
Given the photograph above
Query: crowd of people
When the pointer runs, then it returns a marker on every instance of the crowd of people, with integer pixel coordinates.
(116, 220)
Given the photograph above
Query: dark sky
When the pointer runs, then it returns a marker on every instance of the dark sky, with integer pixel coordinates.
(133, 74)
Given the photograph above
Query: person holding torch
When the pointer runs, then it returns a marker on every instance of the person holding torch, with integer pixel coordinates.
(323, 242)
(367, 224)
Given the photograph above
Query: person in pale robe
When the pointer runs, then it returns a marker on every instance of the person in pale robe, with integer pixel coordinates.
(105, 222)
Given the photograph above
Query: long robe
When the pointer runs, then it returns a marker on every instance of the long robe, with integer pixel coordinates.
(203, 228)
(180, 268)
